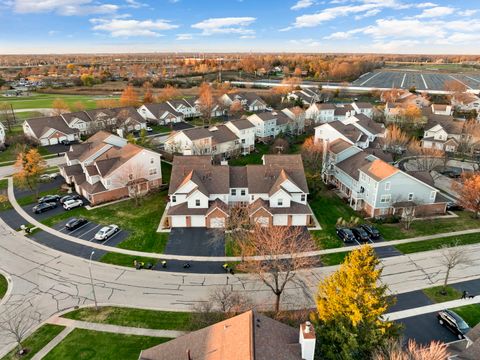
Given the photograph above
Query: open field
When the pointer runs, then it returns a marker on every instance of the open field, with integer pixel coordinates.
(420, 80)
(44, 101)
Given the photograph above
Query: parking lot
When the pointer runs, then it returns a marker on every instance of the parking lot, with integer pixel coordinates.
(87, 232)
(419, 80)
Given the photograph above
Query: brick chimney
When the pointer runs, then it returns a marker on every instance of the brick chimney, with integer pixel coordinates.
(307, 340)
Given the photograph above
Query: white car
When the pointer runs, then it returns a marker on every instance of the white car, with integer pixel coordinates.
(149, 129)
(105, 232)
(72, 204)
(48, 177)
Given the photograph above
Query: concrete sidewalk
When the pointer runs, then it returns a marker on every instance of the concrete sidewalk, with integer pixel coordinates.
(117, 329)
(431, 308)
(56, 340)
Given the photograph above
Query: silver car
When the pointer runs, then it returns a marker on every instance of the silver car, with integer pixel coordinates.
(105, 232)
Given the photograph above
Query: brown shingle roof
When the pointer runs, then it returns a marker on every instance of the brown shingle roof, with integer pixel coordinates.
(242, 124)
(70, 117)
(339, 145)
(222, 134)
(248, 336)
(197, 133)
(351, 165)
(349, 131)
(370, 125)
(41, 125)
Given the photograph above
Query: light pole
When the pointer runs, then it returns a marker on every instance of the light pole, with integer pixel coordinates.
(91, 280)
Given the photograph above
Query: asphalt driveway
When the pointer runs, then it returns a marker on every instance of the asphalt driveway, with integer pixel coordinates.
(196, 242)
(425, 328)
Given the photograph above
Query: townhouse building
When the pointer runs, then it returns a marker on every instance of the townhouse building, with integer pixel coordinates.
(202, 194)
(105, 168)
(249, 101)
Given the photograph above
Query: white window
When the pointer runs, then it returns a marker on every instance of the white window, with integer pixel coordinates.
(387, 185)
(243, 141)
(153, 171)
(197, 202)
(280, 202)
(302, 197)
(385, 198)
(174, 198)
(410, 197)
(233, 192)
(432, 195)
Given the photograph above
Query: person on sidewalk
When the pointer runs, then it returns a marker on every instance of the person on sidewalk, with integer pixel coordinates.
(464, 294)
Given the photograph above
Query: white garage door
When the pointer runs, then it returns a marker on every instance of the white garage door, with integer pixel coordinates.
(299, 220)
(179, 221)
(217, 223)
(53, 141)
(280, 220)
(198, 221)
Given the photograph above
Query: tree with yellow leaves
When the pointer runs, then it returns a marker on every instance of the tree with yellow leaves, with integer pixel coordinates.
(29, 166)
(350, 304)
(60, 107)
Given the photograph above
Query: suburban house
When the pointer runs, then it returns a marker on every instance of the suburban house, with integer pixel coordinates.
(268, 125)
(393, 111)
(160, 113)
(245, 131)
(297, 119)
(249, 101)
(216, 140)
(323, 113)
(466, 102)
(406, 98)
(50, 130)
(201, 193)
(306, 95)
(376, 187)
(442, 109)
(105, 167)
(443, 132)
(69, 126)
(185, 106)
(466, 349)
(217, 109)
(367, 126)
(248, 336)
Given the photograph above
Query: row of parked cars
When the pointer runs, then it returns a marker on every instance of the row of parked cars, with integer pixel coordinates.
(103, 234)
(49, 202)
(363, 234)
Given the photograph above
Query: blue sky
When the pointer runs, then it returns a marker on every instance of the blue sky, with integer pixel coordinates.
(398, 26)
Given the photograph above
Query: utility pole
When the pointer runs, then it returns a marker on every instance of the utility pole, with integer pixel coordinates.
(91, 280)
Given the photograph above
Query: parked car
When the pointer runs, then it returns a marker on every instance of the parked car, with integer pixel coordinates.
(48, 177)
(66, 142)
(75, 223)
(69, 197)
(453, 206)
(149, 129)
(72, 204)
(44, 206)
(371, 231)
(49, 198)
(361, 235)
(451, 173)
(105, 232)
(345, 234)
(453, 322)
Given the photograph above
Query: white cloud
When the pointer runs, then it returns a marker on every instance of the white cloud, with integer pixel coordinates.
(302, 4)
(437, 11)
(129, 28)
(247, 37)
(343, 35)
(468, 12)
(184, 37)
(369, 13)
(135, 4)
(227, 25)
(63, 7)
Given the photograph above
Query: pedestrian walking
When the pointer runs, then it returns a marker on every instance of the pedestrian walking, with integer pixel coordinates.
(464, 294)
(225, 267)
(164, 264)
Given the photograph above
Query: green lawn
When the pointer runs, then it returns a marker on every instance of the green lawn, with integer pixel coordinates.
(435, 294)
(161, 128)
(38, 100)
(36, 341)
(427, 245)
(254, 157)
(3, 286)
(428, 227)
(334, 259)
(148, 319)
(96, 345)
(166, 172)
(469, 313)
(24, 115)
(141, 222)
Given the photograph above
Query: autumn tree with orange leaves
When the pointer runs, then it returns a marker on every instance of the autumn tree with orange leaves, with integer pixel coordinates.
(107, 103)
(148, 97)
(168, 93)
(468, 190)
(29, 166)
(129, 97)
(207, 103)
(288, 85)
(391, 95)
(236, 108)
(60, 107)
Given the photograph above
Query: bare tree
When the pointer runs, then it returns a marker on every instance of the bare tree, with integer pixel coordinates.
(451, 258)
(394, 350)
(229, 301)
(17, 324)
(408, 215)
(133, 175)
(426, 159)
(6, 115)
(276, 271)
